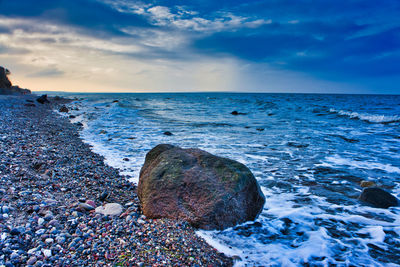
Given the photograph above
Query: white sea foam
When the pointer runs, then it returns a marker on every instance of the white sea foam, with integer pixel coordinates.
(372, 118)
(336, 160)
(316, 241)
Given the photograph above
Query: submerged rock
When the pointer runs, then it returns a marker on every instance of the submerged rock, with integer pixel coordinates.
(297, 145)
(42, 99)
(235, 113)
(63, 109)
(367, 183)
(209, 192)
(378, 198)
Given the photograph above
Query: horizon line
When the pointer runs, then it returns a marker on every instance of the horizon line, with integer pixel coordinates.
(218, 92)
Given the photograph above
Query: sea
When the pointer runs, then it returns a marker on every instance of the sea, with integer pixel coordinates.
(308, 152)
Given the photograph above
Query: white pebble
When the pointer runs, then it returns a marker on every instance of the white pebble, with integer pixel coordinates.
(46, 252)
(40, 221)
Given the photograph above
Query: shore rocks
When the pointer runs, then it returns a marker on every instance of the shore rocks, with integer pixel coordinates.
(42, 99)
(378, 198)
(64, 109)
(209, 192)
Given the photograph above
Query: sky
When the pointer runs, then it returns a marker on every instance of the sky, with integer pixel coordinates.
(302, 46)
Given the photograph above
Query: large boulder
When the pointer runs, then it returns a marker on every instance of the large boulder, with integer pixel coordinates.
(378, 198)
(207, 191)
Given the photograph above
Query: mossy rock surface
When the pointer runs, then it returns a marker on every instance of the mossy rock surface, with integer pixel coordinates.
(208, 191)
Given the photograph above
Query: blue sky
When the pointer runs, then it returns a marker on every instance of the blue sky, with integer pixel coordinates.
(259, 46)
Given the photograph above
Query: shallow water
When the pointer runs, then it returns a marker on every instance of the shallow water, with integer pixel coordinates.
(308, 152)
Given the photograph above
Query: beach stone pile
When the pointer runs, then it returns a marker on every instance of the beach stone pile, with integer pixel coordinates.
(60, 205)
(205, 190)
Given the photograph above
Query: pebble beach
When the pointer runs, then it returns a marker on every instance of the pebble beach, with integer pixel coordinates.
(54, 193)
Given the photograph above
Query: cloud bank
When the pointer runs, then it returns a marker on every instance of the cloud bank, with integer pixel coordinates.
(286, 45)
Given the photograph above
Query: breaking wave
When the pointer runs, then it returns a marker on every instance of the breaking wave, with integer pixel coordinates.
(371, 118)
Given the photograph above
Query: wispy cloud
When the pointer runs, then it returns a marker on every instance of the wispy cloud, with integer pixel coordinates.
(185, 19)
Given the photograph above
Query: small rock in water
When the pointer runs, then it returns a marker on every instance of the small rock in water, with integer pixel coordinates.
(297, 145)
(103, 132)
(235, 113)
(63, 109)
(112, 209)
(43, 99)
(367, 184)
(168, 133)
(378, 198)
(126, 159)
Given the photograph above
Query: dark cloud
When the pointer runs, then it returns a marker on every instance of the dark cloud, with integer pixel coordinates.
(89, 14)
(330, 47)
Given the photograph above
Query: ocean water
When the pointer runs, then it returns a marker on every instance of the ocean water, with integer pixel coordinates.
(308, 152)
